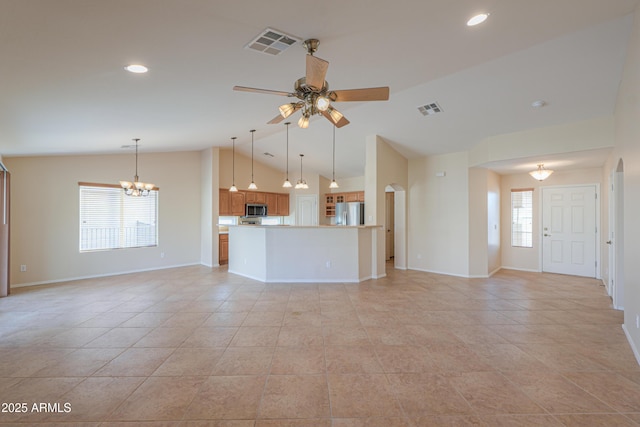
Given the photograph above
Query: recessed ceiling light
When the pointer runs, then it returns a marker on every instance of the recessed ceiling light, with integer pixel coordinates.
(136, 68)
(478, 19)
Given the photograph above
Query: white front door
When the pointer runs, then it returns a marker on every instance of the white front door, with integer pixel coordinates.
(569, 230)
(307, 210)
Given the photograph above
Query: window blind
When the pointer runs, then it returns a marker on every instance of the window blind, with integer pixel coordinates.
(109, 219)
(522, 218)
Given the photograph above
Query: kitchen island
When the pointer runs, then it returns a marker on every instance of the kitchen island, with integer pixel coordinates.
(272, 253)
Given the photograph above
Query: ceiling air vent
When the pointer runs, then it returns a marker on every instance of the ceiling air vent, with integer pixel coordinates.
(272, 42)
(430, 109)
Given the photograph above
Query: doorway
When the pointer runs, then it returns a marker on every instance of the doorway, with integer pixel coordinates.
(307, 210)
(389, 225)
(569, 230)
(396, 222)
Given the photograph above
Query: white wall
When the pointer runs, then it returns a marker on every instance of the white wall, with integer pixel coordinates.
(209, 207)
(627, 148)
(494, 223)
(265, 177)
(484, 222)
(438, 215)
(478, 220)
(355, 183)
(45, 214)
(566, 138)
(383, 166)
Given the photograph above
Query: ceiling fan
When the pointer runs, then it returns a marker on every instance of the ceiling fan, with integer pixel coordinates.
(314, 96)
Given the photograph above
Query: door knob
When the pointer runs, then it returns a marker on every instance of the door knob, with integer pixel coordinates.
(547, 235)
(608, 242)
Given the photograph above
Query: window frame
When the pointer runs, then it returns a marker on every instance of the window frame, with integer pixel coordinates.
(119, 239)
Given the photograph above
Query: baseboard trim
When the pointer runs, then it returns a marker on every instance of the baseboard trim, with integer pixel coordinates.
(440, 272)
(521, 269)
(635, 350)
(96, 276)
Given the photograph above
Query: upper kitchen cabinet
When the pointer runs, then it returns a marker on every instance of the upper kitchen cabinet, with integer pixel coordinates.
(271, 199)
(233, 203)
(282, 204)
(255, 197)
(237, 203)
(224, 200)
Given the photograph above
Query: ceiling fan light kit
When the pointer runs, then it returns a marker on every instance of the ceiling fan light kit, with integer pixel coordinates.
(314, 95)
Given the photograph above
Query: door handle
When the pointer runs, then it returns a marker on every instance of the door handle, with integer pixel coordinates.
(547, 235)
(608, 242)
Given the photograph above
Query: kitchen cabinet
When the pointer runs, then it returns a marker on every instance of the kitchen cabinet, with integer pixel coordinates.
(283, 204)
(233, 203)
(223, 249)
(330, 204)
(351, 197)
(224, 200)
(271, 200)
(237, 203)
(332, 198)
(255, 197)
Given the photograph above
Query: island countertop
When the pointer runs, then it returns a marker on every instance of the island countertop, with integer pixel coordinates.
(289, 253)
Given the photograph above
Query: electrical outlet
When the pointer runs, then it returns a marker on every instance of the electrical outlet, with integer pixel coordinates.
(23, 268)
(161, 254)
(328, 264)
(637, 320)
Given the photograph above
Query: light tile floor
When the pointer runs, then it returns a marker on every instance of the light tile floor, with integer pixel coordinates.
(201, 347)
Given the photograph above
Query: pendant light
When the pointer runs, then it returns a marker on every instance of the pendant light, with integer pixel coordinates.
(334, 184)
(301, 184)
(287, 183)
(541, 173)
(233, 168)
(136, 188)
(253, 185)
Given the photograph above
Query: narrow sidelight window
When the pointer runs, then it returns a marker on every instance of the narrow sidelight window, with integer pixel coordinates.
(522, 217)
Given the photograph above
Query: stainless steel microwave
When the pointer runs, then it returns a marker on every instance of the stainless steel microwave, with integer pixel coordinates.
(252, 209)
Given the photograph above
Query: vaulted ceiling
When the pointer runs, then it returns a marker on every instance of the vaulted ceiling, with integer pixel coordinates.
(65, 90)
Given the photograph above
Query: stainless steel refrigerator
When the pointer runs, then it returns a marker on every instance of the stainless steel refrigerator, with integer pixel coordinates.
(351, 213)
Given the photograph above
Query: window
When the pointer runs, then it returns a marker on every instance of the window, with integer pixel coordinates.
(522, 218)
(109, 219)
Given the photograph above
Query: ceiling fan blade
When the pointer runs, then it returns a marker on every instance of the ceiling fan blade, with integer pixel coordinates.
(316, 71)
(277, 119)
(365, 94)
(266, 91)
(342, 122)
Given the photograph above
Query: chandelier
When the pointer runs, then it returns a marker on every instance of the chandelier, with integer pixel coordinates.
(136, 188)
(541, 173)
